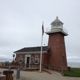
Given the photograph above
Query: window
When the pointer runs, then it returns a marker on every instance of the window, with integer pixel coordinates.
(36, 59)
(58, 24)
(53, 25)
(20, 59)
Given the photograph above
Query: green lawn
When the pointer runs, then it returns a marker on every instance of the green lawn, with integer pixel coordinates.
(74, 72)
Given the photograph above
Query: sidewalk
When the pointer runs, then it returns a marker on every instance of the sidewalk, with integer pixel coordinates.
(35, 75)
(21, 78)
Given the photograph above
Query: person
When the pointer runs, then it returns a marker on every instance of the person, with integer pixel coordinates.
(9, 68)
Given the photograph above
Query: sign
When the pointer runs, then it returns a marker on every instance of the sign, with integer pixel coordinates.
(13, 55)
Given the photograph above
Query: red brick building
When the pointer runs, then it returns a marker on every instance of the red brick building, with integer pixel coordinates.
(53, 55)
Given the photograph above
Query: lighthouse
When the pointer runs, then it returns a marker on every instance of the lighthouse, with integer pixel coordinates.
(57, 53)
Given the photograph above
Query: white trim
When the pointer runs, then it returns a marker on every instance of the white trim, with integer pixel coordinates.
(37, 52)
(38, 59)
(28, 55)
(56, 29)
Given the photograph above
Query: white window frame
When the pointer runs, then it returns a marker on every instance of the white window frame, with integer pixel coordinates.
(36, 57)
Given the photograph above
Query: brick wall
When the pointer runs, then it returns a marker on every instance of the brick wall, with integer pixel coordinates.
(18, 55)
(57, 52)
(32, 57)
(44, 58)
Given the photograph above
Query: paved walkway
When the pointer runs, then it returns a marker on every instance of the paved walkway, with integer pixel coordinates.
(35, 75)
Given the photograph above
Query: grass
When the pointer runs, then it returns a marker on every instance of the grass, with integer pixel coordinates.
(74, 72)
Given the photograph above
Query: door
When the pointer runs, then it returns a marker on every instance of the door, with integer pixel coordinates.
(27, 62)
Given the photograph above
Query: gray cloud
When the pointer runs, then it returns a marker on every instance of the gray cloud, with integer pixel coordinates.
(21, 21)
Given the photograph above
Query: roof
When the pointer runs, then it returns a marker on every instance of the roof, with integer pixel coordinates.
(32, 49)
(57, 21)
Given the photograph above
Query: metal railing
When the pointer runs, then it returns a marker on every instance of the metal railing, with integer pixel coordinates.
(54, 28)
(56, 68)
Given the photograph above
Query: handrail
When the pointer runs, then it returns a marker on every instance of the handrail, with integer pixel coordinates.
(52, 67)
(53, 28)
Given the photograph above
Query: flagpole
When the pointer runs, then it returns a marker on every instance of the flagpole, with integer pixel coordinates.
(41, 53)
(41, 47)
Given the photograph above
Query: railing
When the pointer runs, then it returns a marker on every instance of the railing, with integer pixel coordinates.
(54, 28)
(56, 68)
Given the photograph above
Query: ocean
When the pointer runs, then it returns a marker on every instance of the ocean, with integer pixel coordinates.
(74, 64)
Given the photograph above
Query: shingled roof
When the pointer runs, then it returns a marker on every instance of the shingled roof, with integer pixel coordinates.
(32, 49)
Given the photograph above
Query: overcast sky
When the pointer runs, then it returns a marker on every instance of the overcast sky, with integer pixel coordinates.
(21, 23)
